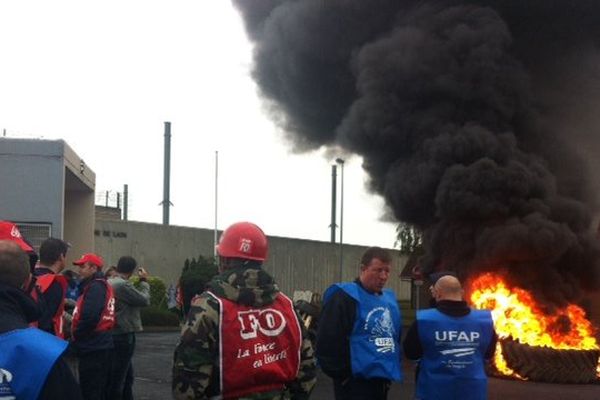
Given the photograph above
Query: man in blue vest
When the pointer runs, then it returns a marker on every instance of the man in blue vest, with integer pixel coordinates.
(31, 362)
(452, 343)
(358, 342)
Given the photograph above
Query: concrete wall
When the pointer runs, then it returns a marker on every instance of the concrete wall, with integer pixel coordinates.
(162, 249)
(103, 212)
(79, 226)
(80, 185)
(294, 263)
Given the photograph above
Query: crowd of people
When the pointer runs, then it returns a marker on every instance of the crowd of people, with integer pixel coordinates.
(242, 337)
(65, 333)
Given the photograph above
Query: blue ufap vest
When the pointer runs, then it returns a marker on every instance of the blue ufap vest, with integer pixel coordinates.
(26, 358)
(452, 366)
(374, 341)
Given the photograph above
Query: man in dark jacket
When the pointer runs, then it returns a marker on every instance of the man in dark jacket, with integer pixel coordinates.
(358, 342)
(243, 338)
(52, 285)
(451, 343)
(93, 318)
(23, 347)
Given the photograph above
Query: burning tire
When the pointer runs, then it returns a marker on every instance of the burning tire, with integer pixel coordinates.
(543, 364)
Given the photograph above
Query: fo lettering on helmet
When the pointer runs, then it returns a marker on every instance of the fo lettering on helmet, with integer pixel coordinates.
(14, 232)
(269, 322)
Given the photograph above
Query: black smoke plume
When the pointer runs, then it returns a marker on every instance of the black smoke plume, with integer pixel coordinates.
(474, 120)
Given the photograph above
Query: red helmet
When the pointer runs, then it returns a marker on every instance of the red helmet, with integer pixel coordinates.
(243, 240)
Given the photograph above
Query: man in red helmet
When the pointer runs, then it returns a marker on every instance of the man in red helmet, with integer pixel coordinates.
(10, 231)
(242, 337)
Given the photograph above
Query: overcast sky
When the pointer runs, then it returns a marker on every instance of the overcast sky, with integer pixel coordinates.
(105, 76)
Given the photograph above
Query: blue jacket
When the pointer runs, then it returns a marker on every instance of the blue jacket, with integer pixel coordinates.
(27, 357)
(452, 366)
(374, 341)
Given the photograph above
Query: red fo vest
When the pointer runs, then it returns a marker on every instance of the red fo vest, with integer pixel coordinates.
(107, 318)
(43, 283)
(259, 347)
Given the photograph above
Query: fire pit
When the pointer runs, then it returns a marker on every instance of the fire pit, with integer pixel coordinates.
(557, 348)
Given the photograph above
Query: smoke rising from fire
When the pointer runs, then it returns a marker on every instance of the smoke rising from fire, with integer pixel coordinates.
(461, 111)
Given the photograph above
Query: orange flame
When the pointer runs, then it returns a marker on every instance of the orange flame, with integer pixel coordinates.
(517, 315)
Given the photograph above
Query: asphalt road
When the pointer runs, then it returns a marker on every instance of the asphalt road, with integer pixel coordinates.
(153, 358)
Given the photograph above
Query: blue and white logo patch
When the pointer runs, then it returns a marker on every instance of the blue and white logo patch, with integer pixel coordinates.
(6, 392)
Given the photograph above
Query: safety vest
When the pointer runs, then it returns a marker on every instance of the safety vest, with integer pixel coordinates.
(375, 337)
(107, 318)
(452, 366)
(259, 347)
(43, 283)
(26, 359)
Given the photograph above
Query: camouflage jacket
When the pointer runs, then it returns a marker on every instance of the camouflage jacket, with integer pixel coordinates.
(196, 359)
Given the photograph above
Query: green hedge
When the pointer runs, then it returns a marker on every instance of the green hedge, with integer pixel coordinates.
(155, 316)
(158, 291)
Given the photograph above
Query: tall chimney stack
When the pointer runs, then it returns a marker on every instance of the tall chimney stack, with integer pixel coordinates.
(125, 202)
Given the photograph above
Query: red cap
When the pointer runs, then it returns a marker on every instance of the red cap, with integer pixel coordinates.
(9, 231)
(91, 258)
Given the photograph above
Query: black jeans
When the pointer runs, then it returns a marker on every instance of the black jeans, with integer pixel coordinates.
(361, 389)
(94, 374)
(121, 383)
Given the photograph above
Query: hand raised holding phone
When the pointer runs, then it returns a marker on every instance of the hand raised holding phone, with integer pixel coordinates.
(142, 273)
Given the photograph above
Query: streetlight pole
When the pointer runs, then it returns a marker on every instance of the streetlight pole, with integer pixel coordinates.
(333, 201)
(216, 200)
(341, 161)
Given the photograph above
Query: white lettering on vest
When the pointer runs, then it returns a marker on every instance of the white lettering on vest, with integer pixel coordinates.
(244, 353)
(261, 348)
(5, 376)
(458, 336)
(269, 322)
(271, 358)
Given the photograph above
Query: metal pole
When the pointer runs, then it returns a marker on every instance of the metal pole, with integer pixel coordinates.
(125, 201)
(333, 201)
(341, 162)
(216, 200)
(166, 203)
